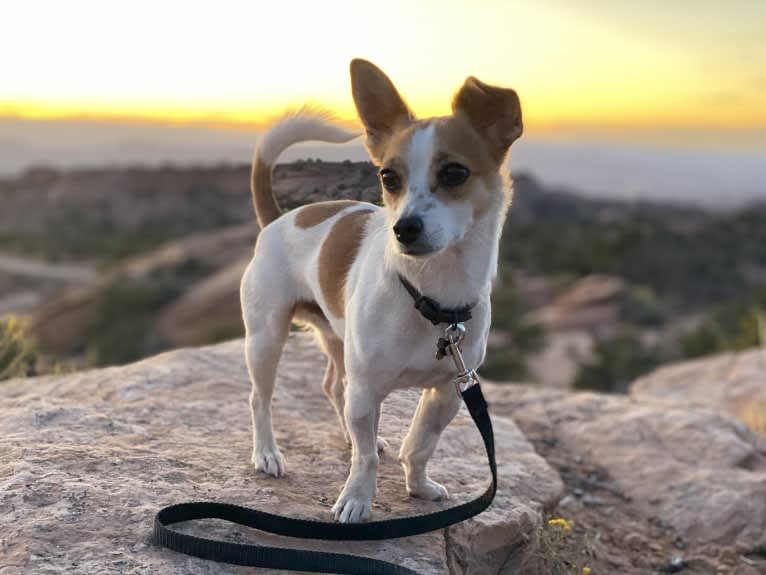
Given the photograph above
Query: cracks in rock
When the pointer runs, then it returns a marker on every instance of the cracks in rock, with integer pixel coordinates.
(454, 565)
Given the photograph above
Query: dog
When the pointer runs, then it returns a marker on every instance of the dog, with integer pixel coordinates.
(340, 267)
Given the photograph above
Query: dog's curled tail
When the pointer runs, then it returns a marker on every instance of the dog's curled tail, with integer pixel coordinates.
(299, 127)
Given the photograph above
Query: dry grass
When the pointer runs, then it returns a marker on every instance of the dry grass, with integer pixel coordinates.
(18, 352)
(20, 355)
(557, 548)
(754, 416)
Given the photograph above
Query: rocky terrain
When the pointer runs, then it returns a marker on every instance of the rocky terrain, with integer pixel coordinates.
(112, 265)
(88, 458)
(644, 484)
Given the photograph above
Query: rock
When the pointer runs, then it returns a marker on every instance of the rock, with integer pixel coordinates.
(558, 362)
(634, 541)
(88, 458)
(701, 473)
(734, 383)
(590, 304)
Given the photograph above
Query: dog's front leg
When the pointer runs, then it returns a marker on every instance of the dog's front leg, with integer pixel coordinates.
(437, 407)
(362, 412)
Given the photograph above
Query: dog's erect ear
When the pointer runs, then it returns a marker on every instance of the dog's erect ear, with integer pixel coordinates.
(494, 112)
(380, 107)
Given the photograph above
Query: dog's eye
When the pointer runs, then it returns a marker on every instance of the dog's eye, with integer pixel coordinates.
(390, 180)
(452, 175)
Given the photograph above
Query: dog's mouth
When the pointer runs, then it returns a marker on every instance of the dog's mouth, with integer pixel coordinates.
(417, 251)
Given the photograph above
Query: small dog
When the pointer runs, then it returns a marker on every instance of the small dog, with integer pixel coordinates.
(336, 266)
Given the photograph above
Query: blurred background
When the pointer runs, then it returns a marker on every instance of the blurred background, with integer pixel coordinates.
(637, 234)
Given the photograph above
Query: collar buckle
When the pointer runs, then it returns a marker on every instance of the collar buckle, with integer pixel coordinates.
(429, 309)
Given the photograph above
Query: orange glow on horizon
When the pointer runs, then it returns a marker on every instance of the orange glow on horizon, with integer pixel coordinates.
(252, 120)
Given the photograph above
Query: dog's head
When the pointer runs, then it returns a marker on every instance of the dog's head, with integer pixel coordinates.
(438, 175)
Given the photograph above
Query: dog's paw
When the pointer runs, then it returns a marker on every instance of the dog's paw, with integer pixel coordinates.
(352, 508)
(382, 444)
(270, 461)
(428, 489)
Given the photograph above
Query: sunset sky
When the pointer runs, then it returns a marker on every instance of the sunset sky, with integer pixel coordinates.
(591, 64)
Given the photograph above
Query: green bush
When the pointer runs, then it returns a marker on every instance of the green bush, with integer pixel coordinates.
(640, 306)
(616, 362)
(128, 309)
(732, 327)
(508, 309)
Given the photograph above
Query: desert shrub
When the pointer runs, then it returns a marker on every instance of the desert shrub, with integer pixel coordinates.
(557, 548)
(508, 309)
(733, 327)
(127, 310)
(19, 355)
(640, 306)
(689, 259)
(616, 362)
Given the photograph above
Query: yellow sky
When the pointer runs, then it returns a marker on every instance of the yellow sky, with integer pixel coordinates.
(590, 63)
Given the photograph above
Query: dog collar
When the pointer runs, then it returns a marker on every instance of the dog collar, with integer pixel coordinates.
(432, 310)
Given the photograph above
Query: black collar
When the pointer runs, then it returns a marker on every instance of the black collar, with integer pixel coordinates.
(432, 310)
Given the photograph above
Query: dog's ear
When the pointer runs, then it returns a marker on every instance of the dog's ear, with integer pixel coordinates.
(381, 109)
(494, 112)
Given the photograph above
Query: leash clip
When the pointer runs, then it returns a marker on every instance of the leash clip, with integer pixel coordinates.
(465, 381)
(450, 345)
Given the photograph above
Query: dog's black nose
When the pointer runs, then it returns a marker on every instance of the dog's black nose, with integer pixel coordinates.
(408, 229)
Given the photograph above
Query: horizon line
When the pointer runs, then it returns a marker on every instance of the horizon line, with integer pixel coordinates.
(234, 124)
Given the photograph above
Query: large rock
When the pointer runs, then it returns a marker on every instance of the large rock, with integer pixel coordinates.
(734, 383)
(589, 305)
(700, 473)
(88, 458)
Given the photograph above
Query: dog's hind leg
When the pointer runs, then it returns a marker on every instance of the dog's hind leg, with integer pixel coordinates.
(334, 382)
(267, 322)
(437, 407)
(333, 385)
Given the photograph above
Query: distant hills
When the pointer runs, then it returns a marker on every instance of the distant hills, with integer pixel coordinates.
(711, 172)
(585, 283)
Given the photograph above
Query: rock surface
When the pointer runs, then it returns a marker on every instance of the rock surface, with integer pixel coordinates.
(86, 460)
(590, 304)
(734, 383)
(697, 474)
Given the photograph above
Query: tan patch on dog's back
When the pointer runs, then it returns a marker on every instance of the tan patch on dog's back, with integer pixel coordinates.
(336, 256)
(314, 214)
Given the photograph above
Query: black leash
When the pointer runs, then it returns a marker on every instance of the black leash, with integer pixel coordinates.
(317, 561)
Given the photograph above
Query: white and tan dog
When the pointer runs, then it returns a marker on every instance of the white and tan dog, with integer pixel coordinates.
(336, 266)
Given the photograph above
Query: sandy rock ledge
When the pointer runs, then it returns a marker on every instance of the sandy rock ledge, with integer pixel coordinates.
(87, 459)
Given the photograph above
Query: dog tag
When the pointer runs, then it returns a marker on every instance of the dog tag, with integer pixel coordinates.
(451, 340)
(442, 346)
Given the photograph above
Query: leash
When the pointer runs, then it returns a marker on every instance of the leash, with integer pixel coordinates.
(468, 387)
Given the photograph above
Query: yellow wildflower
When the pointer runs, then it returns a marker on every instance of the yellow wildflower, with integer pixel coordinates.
(565, 524)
